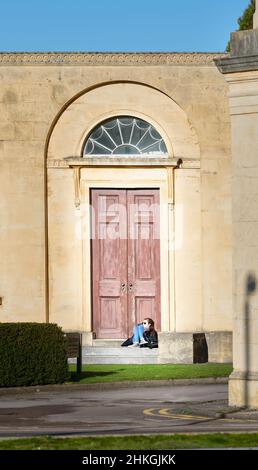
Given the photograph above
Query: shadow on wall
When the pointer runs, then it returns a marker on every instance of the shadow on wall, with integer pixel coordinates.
(250, 289)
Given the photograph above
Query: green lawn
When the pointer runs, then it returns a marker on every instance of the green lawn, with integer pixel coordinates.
(179, 441)
(120, 373)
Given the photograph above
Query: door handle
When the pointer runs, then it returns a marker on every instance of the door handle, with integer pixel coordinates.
(123, 287)
(130, 287)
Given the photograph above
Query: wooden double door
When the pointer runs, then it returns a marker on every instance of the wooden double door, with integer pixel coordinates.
(125, 260)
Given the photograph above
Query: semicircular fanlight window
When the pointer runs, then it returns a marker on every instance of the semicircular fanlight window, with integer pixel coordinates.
(125, 135)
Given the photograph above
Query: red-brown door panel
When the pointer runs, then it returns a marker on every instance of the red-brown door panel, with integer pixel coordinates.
(109, 263)
(125, 260)
(144, 255)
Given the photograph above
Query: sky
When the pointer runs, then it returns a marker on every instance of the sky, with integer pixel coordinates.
(117, 25)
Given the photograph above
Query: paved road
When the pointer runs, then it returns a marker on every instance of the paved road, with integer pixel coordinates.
(159, 409)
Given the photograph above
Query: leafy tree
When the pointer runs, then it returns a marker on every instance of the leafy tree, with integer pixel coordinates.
(246, 20)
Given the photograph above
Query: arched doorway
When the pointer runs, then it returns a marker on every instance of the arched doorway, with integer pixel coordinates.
(146, 174)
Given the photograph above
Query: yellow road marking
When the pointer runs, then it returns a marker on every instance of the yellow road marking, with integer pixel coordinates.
(166, 413)
(149, 411)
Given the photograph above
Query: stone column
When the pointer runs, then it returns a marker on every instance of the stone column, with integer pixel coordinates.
(241, 73)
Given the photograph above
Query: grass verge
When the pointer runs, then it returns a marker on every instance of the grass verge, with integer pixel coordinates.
(157, 442)
(121, 373)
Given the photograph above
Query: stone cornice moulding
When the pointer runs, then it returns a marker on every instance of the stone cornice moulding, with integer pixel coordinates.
(230, 65)
(73, 162)
(116, 58)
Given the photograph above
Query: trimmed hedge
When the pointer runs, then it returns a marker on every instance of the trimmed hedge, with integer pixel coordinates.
(32, 354)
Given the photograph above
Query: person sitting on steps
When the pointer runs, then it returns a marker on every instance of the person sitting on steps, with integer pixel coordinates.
(144, 335)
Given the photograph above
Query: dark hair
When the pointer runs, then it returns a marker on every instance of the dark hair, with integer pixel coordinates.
(152, 328)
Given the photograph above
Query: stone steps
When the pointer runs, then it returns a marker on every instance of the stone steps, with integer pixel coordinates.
(118, 355)
(107, 343)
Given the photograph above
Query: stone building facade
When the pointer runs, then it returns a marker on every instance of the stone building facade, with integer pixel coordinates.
(50, 104)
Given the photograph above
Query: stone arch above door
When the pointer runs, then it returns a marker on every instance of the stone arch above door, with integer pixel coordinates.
(125, 98)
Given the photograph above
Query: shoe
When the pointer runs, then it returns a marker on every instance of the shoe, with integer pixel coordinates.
(134, 345)
(143, 341)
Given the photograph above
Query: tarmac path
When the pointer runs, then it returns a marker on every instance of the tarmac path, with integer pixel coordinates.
(147, 409)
